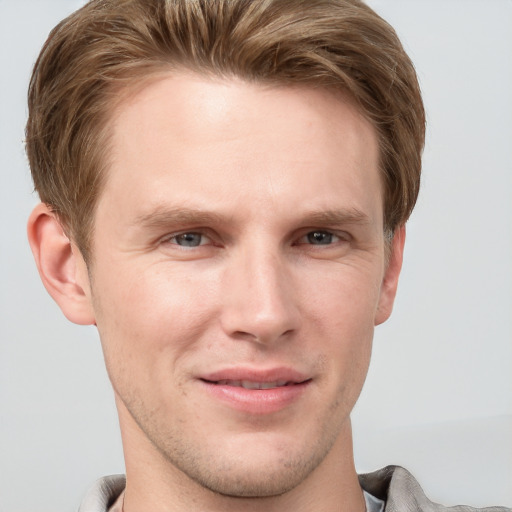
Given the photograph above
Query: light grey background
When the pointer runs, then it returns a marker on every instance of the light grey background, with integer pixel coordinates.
(438, 398)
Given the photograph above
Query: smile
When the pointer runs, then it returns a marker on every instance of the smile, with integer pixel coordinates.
(248, 384)
(256, 392)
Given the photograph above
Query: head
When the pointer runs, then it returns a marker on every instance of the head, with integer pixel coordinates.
(225, 188)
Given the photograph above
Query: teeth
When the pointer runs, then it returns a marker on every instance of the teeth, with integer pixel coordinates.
(247, 384)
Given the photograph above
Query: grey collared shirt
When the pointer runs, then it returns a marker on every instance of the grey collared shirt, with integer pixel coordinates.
(391, 489)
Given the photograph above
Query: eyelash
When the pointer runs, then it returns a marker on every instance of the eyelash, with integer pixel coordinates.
(185, 233)
(318, 233)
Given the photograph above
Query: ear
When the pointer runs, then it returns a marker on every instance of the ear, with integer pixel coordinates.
(60, 265)
(391, 275)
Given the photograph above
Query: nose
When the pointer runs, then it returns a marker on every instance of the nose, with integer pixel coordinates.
(259, 302)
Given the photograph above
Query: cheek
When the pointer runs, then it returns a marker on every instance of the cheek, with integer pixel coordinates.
(344, 323)
(347, 298)
(150, 313)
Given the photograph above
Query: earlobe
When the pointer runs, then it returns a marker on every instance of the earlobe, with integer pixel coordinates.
(60, 265)
(392, 273)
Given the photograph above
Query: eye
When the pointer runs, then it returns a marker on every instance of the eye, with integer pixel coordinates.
(189, 239)
(319, 237)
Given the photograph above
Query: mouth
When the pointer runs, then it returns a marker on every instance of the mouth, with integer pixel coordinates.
(256, 392)
(253, 385)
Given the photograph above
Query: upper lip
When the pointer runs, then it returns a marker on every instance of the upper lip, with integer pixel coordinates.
(281, 374)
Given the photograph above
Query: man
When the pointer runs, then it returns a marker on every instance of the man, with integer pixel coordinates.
(224, 188)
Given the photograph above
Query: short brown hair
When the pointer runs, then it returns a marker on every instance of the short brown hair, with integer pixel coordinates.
(109, 45)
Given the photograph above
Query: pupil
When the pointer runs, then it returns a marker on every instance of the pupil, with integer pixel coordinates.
(189, 239)
(319, 237)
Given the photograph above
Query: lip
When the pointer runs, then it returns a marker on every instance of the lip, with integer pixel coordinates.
(225, 386)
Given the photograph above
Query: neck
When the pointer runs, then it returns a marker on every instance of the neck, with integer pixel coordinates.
(153, 483)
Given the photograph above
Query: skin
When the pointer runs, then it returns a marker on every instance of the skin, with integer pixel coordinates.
(282, 265)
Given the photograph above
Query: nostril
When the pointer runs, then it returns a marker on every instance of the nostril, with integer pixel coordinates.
(262, 336)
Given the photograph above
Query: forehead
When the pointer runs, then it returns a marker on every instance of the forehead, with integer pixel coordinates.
(207, 105)
(185, 137)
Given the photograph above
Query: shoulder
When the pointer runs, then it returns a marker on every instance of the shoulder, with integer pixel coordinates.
(103, 493)
(402, 493)
(392, 484)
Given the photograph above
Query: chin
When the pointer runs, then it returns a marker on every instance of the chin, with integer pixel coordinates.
(253, 480)
(253, 468)
(248, 487)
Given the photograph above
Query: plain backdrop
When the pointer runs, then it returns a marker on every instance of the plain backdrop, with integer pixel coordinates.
(438, 398)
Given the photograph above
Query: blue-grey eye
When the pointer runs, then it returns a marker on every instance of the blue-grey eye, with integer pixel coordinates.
(189, 239)
(319, 237)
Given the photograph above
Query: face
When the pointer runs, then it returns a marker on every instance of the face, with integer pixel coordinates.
(238, 271)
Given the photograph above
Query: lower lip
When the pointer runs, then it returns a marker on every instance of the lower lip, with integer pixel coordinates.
(257, 401)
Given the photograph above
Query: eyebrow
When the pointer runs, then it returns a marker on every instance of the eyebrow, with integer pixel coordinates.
(336, 217)
(163, 216)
